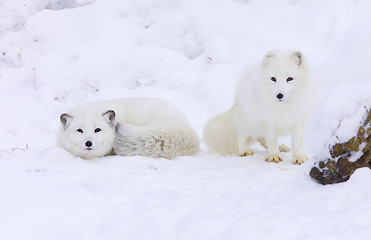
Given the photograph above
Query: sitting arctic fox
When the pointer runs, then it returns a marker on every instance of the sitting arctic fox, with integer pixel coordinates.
(131, 126)
(273, 99)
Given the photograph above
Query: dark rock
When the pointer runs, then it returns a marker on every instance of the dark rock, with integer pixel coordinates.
(338, 168)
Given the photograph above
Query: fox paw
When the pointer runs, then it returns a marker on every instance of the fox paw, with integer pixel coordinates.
(273, 158)
(284, 148)
(247, 153)
(300, 159)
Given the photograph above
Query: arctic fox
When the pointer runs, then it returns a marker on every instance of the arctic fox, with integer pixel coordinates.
(274, 98)
(129, 126)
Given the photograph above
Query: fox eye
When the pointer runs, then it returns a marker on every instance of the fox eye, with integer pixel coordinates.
(289, 79)
(80, 130)
(273, 79)
(97, 130)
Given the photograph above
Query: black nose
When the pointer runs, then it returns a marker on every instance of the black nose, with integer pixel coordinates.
(88, 144)
(280, 96)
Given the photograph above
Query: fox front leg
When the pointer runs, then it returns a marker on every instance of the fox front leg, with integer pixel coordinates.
(297, 136)
(270, 140)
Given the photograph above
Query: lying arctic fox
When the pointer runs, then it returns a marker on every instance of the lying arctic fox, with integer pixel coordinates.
(273, 99)
(129, 126)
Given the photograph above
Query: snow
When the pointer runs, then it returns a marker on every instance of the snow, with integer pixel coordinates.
(55, 54)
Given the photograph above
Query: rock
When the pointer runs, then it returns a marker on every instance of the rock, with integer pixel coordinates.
(338, 168)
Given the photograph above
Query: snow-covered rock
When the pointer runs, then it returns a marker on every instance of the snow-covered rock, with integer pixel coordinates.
(346, 157)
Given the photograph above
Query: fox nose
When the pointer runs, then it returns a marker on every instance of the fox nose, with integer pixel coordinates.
(279, 96)
(88, 144)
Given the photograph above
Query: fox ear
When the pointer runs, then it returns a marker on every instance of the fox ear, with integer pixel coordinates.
(268, 58)
(65, 119)
(297, 57)
(109, 116)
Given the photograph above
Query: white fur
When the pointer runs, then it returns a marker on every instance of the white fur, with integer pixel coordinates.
(148, 127)
(259, 115)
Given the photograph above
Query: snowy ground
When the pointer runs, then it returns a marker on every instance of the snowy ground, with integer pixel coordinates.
(57, 53)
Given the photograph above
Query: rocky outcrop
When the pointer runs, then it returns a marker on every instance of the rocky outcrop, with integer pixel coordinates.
(339, 167)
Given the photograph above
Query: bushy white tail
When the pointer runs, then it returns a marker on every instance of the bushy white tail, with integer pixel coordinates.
(220, 134)
(164, 142)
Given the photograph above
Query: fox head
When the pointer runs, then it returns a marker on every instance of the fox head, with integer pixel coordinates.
(88, 135)
(284, 73)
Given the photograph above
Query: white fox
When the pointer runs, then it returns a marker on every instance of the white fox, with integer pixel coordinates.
(274, 98)
(128, 126)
